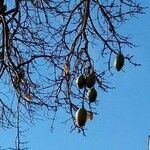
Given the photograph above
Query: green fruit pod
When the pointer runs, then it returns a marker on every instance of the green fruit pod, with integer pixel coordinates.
(81, 116)
(119, 62)
(80, 81)
(92, 95)
(90, 80)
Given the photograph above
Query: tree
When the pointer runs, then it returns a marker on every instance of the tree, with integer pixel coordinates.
(46, 45)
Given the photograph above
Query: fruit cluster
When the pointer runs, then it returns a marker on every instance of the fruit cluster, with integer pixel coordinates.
(88, 81)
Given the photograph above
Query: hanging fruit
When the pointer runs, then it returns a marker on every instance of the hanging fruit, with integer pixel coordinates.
(89, 115)
(81, 116)
(80, 81)
(92, 95)
(90, 80)
(119, 62)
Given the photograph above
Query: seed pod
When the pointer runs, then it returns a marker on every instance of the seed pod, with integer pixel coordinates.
(90, 80)
(92, 95)
(80, 81)
(119, 62)
(81, 116)
(89, 115)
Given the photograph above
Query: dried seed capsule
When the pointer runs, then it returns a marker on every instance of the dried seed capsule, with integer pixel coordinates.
(89, 115)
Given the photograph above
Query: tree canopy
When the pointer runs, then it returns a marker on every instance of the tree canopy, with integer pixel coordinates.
(46, 45)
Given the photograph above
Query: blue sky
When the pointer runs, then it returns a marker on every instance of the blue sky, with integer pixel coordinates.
(123, 122)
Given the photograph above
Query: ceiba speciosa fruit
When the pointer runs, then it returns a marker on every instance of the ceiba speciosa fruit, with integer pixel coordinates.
(90, 80)
(89, 115)
(81, 116)
(119, 62)
(80, 81)
(92, 95)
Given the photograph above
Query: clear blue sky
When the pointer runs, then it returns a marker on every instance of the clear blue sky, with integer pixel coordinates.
(123, 122)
